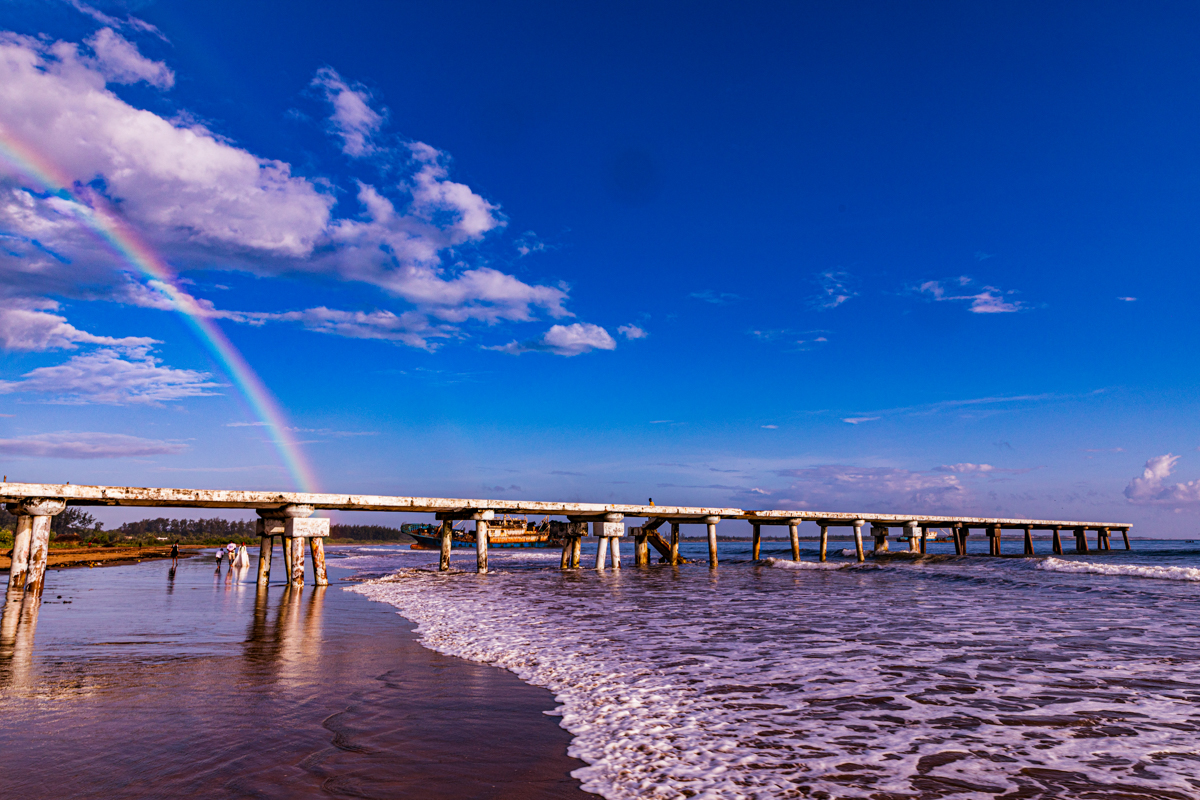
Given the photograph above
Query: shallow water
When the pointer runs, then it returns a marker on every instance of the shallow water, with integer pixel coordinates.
(946, 676)
(128, 683)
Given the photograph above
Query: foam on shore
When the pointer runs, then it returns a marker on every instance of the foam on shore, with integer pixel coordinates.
(801, 681)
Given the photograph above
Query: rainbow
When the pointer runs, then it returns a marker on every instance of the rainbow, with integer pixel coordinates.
(131, 248)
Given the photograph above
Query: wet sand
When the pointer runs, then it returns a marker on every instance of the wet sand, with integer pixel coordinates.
(125, 683)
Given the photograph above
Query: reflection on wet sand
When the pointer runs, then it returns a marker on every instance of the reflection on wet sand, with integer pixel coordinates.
(18, 624)
(282, 647)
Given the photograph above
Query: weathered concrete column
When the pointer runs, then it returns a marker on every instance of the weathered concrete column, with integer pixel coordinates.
(923, 546)
(858, 540)
(1081, 540)
(316, 546)
(565, 561)
(1029, 541)
(18, 573)
(1056, 546)
(912, 532)
(994, 537)
(608, 531)
(447, 534)
(576, 551)
(674, 544)
(641, 548)
(267, 530)
(794, 538)
(1102, 542)
(755, 541)
(296, 528)
(712, 539)
(481, 546)
(296, 548)
(38, 511)
(880, 535)
(824, 541)
(1125, 536)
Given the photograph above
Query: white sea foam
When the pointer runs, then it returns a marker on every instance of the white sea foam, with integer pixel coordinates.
(1129, 570)
(801, 682)
(780, 563)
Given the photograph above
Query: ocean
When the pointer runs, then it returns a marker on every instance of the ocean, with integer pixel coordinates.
(941, 676)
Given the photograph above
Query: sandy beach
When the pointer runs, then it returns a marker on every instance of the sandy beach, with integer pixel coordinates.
(127, 682)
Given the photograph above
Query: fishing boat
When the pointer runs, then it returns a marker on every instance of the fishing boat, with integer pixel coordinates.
(505, 532)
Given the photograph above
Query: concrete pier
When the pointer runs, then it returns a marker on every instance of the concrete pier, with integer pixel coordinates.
(288, 515)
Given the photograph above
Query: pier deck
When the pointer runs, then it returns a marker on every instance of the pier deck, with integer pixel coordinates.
(286, 514)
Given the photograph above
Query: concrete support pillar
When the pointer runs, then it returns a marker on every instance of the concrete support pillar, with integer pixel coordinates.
(1103, 542)
(565, 561)
(923, 547)
(1081, 540)
(912, 532)
(481, 546)
(31, 542)
(1125, 536)
(607, 532)
(674, 544)
(576, 551)
(880, 535)
(265, 545)
(296, 547)
(994, 537)
(641, 549)
(601, 551)
(447, 534)
(1029, 542)
(755, 541)
(316, 545)
(18, 574)
(712, 540)
(824, 541)
(1056, 546)
(858, 540)
(292, 525)
(794, 538)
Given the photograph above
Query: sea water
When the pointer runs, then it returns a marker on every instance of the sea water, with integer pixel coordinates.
(941, 676)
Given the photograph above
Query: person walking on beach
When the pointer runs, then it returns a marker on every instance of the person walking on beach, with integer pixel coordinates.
(243, 556)
(231, 552)
(220, 552)
(174, 555)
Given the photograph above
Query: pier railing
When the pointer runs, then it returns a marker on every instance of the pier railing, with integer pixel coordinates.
(288, 516)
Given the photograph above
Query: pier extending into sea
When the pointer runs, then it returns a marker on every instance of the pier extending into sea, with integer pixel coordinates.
(288, 515)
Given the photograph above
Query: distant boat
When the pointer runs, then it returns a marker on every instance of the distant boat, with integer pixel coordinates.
(505, 532)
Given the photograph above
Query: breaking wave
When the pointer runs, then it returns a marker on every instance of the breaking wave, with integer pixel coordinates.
(1127, 570)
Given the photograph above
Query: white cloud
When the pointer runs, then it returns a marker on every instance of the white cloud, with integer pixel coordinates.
(65, 444)
(120, 62)
(1150, 488)
(632, 331)
(133, 23)
(858, 420)
(37, 331)
(1128, 299)
(353, 118)
(179, 181)
(988, 300)
(835, 289)
(876, 488)
(112, 377)
(564, 340)
(203, 201)
(964, 468)
(770, 427)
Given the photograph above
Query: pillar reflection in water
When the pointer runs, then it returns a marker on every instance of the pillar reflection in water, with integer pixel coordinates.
(282, 647)
(18, 624)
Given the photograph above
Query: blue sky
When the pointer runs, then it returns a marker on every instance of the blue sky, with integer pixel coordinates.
(927, 257)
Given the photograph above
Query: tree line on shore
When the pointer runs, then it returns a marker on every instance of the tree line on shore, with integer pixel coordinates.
(76, 525)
